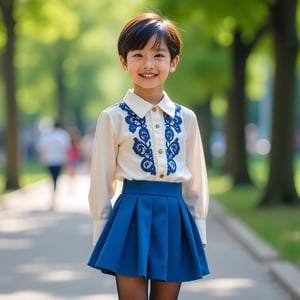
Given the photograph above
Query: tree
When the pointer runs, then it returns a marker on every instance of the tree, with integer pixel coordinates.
(54, 25)
(10, 9)
(236, 116)
(242, 23)
(248, 19)
(80, 73)
(11, 128)
(281, 186)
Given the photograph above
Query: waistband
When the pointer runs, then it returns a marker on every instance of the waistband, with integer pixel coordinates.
(157, 188)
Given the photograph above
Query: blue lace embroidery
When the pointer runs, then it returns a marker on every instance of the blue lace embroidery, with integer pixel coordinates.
(142, 146)
(172, 144)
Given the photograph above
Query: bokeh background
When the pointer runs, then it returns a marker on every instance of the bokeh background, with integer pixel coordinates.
(239, 71)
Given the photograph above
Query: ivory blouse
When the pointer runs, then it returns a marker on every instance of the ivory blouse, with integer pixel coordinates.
(136, 140)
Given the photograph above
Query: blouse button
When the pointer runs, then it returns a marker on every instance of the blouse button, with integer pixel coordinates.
(154, 109)
(156, 125)
(161, 175)
(160, 151)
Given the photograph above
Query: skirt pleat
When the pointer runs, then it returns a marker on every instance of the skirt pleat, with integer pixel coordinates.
(151, 233)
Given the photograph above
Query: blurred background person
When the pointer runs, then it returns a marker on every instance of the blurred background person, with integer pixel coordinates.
(87, 147)
(52, 149)
(74, 152)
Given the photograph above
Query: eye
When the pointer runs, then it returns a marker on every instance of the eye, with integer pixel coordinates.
(159, 55)
(137, 55)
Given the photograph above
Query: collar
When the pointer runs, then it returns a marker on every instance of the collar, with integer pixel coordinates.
(141, 106)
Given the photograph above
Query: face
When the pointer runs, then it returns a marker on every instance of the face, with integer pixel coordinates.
(149, 67)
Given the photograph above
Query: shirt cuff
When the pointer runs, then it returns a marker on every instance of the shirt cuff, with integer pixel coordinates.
(98, 226)
(201, 226)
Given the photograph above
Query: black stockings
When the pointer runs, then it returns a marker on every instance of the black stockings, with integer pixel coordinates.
(161, 290)
(136, 288)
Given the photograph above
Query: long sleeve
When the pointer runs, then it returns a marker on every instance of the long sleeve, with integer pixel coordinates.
(103, 171)
(195, 190)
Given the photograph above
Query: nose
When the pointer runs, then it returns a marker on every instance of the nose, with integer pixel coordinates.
(148, 63)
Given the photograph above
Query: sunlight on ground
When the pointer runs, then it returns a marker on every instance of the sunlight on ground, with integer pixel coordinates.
(33, 295)
(17, 225)
(222, 287)
(27, 295)
(62, 275)
(21, 223)
(51, 272)
(13, 244)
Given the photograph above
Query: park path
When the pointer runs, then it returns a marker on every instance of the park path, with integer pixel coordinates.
(43, 253)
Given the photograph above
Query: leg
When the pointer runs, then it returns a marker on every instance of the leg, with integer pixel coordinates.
(132, 288)
(161, 290)
(54, 172)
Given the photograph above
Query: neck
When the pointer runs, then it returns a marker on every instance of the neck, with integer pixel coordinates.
(150, 95)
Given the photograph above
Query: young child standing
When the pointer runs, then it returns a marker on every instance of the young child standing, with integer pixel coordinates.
(156, 230)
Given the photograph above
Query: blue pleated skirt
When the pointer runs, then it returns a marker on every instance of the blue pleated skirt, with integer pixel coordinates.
(151, 233)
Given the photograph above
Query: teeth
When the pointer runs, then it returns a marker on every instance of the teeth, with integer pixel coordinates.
(148, 75)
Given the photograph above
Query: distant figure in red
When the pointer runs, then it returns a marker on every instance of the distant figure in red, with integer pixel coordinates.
(87, 147)
(74, 153)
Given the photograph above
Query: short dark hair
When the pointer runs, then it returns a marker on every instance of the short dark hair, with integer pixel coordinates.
(137, 32)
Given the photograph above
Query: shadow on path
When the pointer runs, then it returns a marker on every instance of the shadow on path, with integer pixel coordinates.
(43, 254)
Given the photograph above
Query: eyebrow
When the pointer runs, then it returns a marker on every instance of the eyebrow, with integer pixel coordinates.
(160, 49)
(154, 49)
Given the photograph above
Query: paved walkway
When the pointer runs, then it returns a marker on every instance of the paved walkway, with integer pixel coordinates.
(43, 253)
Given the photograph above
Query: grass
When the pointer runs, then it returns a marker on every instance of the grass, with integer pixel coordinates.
(279, 226)
(30, 173)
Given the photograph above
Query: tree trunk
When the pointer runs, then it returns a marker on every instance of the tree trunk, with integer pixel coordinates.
(11, 130)
(281, 185)
(205, 124)
(236, 156)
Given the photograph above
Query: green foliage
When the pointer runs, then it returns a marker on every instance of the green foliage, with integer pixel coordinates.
(47, 21)
(204, 69)
(78, 38)
(219, 16)
(208, 28)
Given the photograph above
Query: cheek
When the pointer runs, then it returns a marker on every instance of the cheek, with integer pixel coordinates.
(132, 65)
(164, 66)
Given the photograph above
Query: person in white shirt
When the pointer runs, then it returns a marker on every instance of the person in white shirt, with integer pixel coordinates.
(52, 148)
(155, 231)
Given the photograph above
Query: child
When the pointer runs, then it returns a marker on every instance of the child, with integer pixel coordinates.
(154, 147)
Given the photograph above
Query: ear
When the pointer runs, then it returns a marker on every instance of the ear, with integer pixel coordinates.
(174, 63)
(123, 62)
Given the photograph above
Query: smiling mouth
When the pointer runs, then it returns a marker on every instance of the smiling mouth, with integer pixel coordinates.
(148, 75)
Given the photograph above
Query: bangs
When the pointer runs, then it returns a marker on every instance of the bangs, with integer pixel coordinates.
(139, 38)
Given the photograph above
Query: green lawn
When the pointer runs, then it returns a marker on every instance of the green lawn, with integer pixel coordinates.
(279, 226)
(30, 172)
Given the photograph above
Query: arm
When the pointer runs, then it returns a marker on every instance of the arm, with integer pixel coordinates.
(103, 169)
(195, 191)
